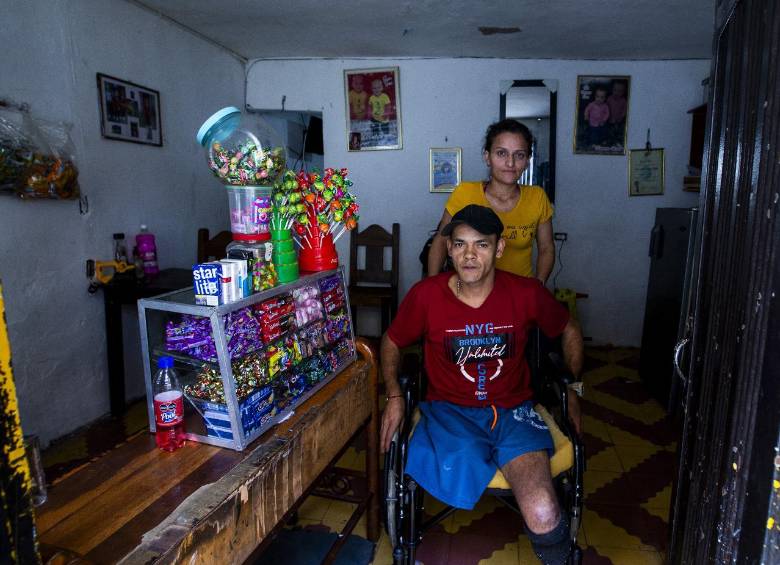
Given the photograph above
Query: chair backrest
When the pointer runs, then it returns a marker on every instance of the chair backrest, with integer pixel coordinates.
(374, 239)
(214, 247)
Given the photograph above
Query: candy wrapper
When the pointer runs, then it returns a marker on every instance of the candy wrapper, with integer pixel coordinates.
(313, 370)
(334, 358)
(288, 387)
(308, 307)
(336, 327)
(36, 157)
(191, 335)
(312, 338)
(282, 355)
(263, 275)
(246, 164)
(249, 373)
(277, 317)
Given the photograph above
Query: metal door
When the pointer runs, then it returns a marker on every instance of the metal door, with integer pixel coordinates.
(723, 496)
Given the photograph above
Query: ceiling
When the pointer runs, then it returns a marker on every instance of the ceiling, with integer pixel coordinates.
(523, 29)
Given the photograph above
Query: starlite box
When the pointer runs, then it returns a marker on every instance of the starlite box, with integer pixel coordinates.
(206, 278)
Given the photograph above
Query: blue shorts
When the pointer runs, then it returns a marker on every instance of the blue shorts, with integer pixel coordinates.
(453, 453)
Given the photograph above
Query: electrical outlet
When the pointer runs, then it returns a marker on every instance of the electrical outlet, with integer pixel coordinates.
(560, 236)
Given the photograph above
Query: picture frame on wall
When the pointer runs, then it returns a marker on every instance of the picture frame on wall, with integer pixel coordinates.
(646, 172)
(601, 119)
(129, 111)
(444, 167)
(373, 109)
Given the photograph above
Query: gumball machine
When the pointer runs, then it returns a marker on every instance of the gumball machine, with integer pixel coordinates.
(248, 163)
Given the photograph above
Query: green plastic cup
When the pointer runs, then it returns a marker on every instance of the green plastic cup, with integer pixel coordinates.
(287, 272)
(283, 245)
(280, 235)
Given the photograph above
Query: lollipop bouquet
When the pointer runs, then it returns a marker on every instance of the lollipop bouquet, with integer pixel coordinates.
(320, 208)
(287, 202)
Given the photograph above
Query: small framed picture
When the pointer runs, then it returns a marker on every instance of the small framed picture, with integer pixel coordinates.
(373, 105)
(128, 111)
(444, 168)
(600, 124)
(645, 172)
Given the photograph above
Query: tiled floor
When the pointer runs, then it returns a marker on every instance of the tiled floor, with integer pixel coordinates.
(630, 451)
(630, 465)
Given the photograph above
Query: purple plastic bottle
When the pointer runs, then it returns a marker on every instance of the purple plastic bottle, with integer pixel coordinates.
(147, 251)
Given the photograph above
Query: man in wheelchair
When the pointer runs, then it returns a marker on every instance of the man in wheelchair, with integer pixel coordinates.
(478, 415)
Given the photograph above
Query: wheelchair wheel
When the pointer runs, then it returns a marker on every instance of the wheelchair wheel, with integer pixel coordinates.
(390, 502)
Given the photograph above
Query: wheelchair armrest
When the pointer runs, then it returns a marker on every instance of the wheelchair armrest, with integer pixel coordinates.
(558, 370)
(409, 387)
(558, 378)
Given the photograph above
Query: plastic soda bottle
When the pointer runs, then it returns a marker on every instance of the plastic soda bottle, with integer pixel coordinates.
(147, 250)
(168, 406)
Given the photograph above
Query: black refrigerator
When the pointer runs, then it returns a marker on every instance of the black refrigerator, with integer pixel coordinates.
(671, 250)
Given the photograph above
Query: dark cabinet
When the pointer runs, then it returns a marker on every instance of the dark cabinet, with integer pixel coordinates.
(672, 242)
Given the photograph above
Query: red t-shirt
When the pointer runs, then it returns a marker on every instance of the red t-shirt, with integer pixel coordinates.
(475, 356)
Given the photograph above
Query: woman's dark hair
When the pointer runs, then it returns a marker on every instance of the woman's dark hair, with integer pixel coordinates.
(508, 125)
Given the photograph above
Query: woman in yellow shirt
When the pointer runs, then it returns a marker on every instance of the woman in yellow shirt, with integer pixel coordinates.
(525, 210)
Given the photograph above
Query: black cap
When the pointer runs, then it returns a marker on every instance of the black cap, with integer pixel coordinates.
(481, 218)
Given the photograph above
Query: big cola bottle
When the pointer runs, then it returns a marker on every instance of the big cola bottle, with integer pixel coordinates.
(168, 406)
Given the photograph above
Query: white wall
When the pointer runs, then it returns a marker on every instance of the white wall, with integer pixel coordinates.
(450, 102)
(51, 52)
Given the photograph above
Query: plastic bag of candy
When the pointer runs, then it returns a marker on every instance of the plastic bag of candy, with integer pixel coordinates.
(36, 157)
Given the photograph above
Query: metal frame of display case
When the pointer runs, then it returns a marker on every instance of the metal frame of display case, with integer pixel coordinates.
(183, 302)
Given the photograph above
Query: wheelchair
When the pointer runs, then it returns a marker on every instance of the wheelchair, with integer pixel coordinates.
(404, 498)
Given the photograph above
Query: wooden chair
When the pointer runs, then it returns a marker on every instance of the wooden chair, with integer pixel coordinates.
(375, 284)
(214, 247)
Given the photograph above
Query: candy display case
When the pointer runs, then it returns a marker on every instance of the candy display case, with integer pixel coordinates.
(246, 365)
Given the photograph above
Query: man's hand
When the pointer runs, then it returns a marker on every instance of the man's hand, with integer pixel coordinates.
(575, 415)
(391, 420)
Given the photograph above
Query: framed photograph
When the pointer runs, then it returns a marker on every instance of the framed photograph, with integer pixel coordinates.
(373, 103)
(128, 111)
(444, 168)
(600, 124)
(645, 172)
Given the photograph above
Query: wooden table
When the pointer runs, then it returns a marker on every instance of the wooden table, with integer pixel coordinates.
(204, 504)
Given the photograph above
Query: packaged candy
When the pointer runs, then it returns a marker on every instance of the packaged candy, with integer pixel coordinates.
(312, 338)
(308, 307)
(336, 327)
(283, 354)
(275, 329)
(329, 283)
(276, 306)
(313, 370)
(249, 374)
(192, 335)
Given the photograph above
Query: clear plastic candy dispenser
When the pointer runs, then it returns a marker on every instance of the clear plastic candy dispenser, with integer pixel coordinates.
(250, 210)
(238, 156)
